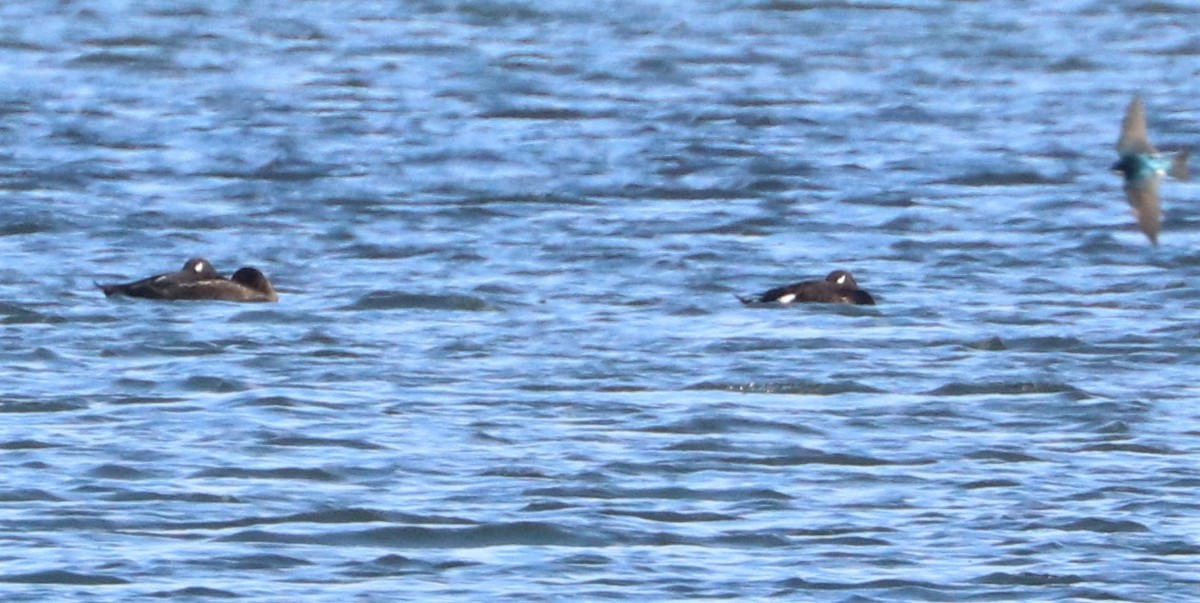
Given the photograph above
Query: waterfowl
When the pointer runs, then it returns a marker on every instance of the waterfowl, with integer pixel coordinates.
(198, 280)
(839, 287)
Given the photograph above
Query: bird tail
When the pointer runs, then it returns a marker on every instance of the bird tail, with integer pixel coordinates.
(1179, 165)
(746, 300)
(109, 290)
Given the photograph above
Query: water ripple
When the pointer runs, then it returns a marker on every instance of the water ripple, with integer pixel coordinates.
(507, 362)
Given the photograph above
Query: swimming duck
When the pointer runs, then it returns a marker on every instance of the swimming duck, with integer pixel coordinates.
(199, 280)
(839, 287)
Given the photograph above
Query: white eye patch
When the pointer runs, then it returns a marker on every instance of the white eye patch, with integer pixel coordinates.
(841, 280)
(199, 267)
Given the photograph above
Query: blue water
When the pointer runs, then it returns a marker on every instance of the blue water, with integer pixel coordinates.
(508, 364)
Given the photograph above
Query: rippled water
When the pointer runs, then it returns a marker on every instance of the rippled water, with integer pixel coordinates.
(508, 363)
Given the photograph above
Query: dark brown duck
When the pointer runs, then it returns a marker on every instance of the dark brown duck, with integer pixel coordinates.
(837, 288)
(198, 280)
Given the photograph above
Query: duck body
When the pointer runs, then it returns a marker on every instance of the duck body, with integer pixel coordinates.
(198, 280)
(839, 287)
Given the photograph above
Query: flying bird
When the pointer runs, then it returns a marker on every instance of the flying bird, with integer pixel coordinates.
(1142, 166)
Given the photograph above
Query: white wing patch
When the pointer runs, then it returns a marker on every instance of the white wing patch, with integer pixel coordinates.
(841, 280)
(786, 298)
(199, 267)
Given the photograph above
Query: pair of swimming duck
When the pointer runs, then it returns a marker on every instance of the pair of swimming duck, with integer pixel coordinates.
(198, 280)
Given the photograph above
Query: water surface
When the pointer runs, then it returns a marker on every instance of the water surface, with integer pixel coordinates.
(508, 363)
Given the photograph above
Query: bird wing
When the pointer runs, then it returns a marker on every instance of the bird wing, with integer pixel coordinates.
(1143, 197)
(1133, 130)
